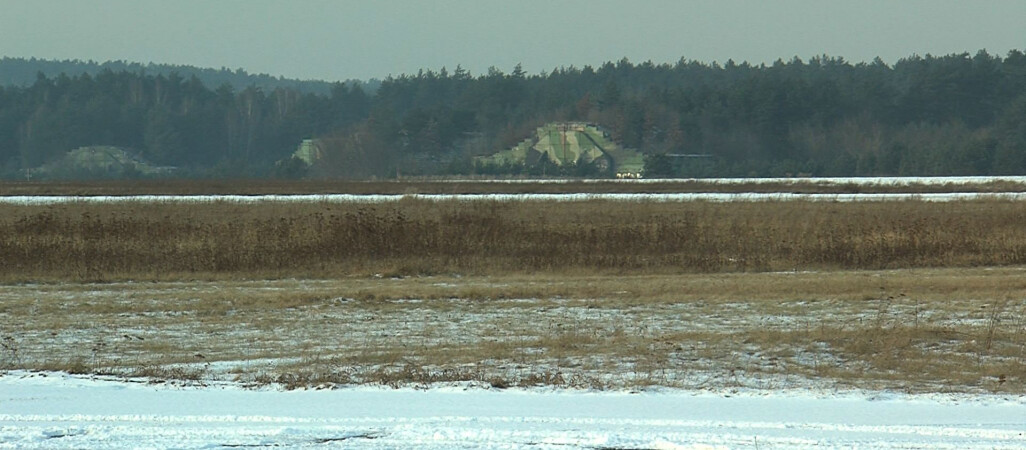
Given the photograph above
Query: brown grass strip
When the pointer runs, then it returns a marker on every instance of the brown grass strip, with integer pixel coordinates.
(96, 242)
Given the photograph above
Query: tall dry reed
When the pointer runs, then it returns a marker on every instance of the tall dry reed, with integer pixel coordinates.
(117, 241)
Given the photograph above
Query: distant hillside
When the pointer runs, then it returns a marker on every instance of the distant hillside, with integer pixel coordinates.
(23, 72)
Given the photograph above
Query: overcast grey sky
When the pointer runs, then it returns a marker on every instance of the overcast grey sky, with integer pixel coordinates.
(337, 40)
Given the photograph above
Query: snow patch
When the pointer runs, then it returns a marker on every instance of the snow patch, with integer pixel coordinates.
(55, 410)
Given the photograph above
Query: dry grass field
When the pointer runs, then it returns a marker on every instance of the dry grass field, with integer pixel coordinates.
(223, 240)
(932, 330)
(914, 296)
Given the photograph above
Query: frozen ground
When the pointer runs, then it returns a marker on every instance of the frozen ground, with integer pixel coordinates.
(575, 197)
(953, 182)
(53, 410)
(863, 181)
(620, 335)
(773, 360)
(925, 331)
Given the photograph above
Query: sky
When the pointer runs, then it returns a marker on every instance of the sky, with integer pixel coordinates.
(342, 39)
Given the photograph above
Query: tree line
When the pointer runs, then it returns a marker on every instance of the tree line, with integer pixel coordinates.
(24, 71)
(169, 120)
(958, 114)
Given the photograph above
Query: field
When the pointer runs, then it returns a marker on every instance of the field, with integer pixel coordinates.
(410, 237)
(520, 186)
(598, 315)
(898, 295)
(929, 330)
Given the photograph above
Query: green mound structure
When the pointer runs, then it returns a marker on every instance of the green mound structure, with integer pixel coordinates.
(309, 151)
(571, 143)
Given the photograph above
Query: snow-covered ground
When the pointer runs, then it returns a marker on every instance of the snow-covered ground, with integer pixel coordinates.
(862, 181)
(577, 197)
(54, 410)
(953, 182)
